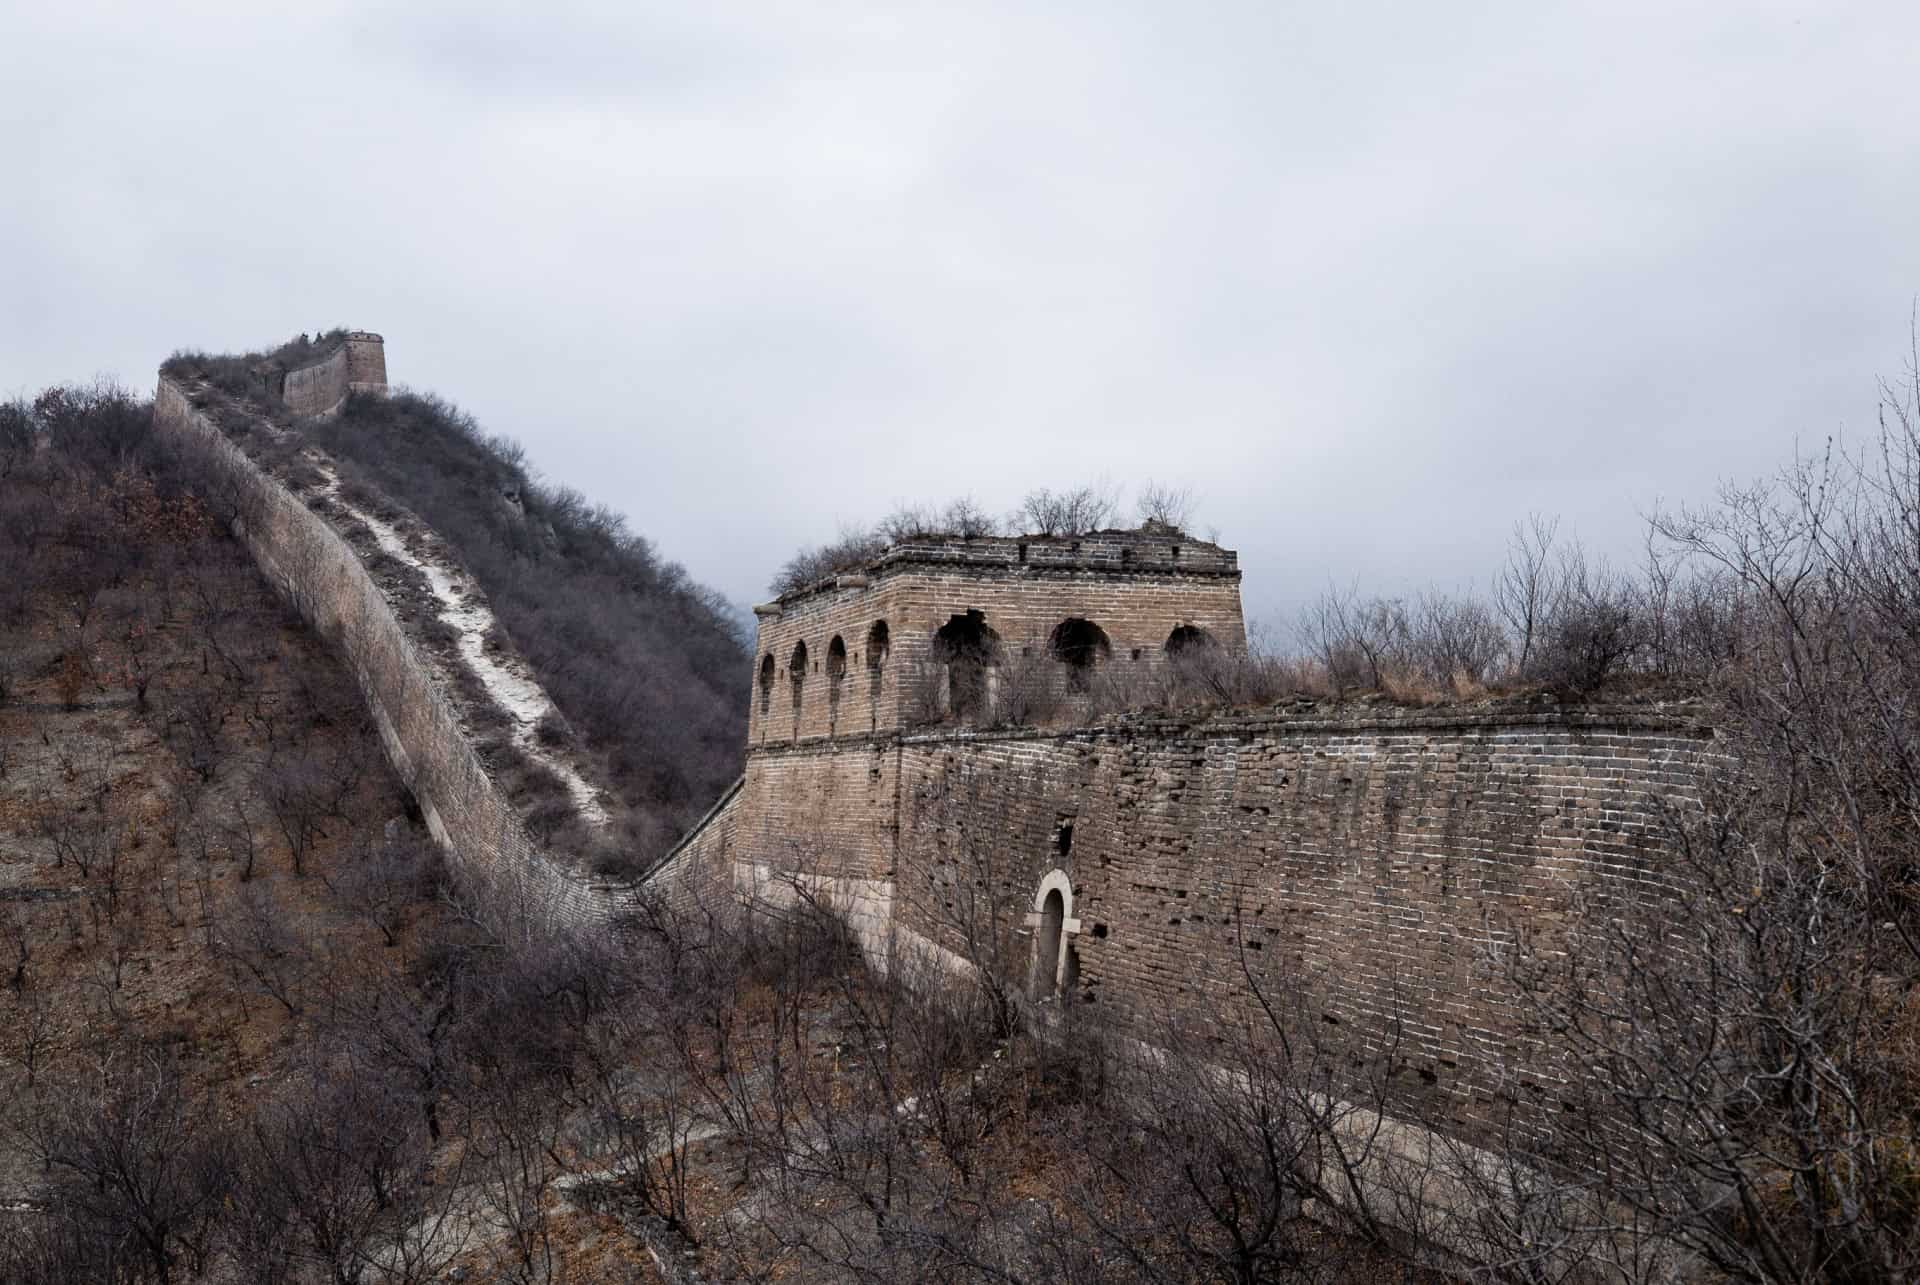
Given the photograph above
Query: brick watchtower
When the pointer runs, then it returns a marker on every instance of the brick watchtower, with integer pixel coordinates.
(941, 629)
(366, 361)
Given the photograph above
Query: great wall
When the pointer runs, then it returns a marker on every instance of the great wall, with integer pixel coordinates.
(1371, 861)
(1375, 859)
(302, 533)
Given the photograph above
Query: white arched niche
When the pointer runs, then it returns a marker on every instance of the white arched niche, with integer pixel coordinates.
(1053, 928)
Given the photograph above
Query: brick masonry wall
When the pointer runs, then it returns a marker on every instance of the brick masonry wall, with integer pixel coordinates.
(320, 574)
(1373, 864)
(1025, 589)
(317, 389)
(366, 360)
(827, 808)
(698, 872)
(359, 364)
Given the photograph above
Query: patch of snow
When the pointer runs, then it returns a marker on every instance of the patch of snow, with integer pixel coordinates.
(463, 607)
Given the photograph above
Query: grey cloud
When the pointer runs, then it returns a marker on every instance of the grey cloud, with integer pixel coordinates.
(1375, 281)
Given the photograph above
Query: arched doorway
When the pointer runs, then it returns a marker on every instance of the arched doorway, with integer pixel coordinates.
(1081, 646)
(970, 652)
(1190, 642)
(1046, 947)
(1054, 928)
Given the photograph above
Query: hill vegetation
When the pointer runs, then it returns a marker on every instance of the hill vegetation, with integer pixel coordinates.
(254, 1031)
(646, 665)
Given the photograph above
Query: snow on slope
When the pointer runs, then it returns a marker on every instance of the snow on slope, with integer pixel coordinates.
(463, 608)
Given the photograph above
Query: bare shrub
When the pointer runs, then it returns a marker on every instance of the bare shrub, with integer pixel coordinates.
(1592, 629)
(1028, 691)
(18, 435)
(1360, 642)
(1163, 504)
(961, 517)
(133, 1155)
(552, 730)
(1070, 512)
(852, 551)
(1457, 641)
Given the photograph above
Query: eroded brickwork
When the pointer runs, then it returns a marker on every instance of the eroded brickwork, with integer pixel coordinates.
(825, 808)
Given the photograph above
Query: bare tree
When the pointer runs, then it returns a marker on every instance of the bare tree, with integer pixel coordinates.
(302, 795)
(1166, 505)
(335, 1169)
(1070, 512)
(134, 1153)
(962, 517)
(265, 948)
(17, 436)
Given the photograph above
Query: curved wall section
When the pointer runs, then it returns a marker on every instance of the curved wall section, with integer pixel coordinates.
(358, 365)
(1375, 865)
(327, 583)
(317, 390)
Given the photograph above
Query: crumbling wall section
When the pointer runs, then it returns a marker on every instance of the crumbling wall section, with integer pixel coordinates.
(328, 584)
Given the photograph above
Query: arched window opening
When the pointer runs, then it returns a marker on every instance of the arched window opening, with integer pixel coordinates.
(766, 684)
(878, 645)
(797, 674)
(1190, 641)
(836, 676)
(969, 651)
(1081, 646)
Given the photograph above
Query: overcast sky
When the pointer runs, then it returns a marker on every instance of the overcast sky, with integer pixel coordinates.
(1374, 281)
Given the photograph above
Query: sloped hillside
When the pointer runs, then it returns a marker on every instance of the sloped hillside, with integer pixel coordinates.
(644, 663)
(248, 1031)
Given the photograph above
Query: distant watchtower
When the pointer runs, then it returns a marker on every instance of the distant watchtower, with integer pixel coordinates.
(971, 631)
(366, 362)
